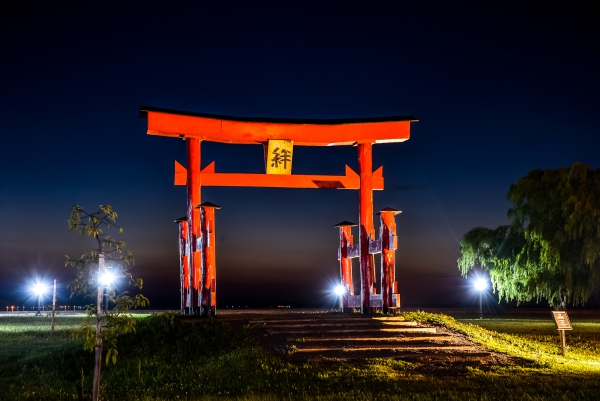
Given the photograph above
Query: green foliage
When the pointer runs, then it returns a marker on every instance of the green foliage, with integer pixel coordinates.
(118, 321)
(94, 224)
(551, 249)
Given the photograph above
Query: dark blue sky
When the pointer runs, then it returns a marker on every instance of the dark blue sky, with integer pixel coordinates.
(498, 92)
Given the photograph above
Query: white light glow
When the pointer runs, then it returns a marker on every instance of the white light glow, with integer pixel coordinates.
(39, 289)
(480, 284)
(107, 278)
(339, 290)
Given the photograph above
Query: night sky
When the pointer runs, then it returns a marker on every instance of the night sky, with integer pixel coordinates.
(498, 92)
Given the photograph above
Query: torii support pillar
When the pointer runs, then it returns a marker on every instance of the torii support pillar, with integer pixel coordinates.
(208, 300)
(366, 232)
(193, 217)
(346, 252)
(184, 271)
(389, 243)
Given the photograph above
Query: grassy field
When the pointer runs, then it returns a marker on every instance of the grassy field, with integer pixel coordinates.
(221, 360)
(583, 342)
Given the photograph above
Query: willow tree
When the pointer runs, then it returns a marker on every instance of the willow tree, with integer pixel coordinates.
(551, 248)
(105, 254)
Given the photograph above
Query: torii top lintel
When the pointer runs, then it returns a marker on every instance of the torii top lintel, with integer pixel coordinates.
(303, 132)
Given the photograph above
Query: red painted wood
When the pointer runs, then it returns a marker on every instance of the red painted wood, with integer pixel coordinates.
(183, 268)
(196, 128)
(180, 174)
(196, 277)
(388, 263)
(193, 200)
(346, 240)
(211, 179)
(244, 132)
(365, 194)
(186, 282)
(209, 273)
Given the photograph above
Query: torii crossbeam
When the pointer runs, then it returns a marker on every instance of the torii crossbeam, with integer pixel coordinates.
(200, 283)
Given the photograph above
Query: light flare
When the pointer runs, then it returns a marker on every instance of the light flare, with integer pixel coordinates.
(480, 284)
(339, 290)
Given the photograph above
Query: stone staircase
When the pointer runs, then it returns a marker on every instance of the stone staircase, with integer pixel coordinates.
(348, 337)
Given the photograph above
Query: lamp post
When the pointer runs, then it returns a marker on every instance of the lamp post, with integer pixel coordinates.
(106, 280)
(339, 291)
(480, 285)
(39, 290)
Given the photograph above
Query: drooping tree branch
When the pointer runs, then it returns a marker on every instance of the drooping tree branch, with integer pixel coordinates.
(551, 249)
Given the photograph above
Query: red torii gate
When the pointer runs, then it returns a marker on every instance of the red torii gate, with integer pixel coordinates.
(197, 239)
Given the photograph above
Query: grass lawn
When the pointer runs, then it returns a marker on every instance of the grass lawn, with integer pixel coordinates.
(221, 360)
(539, 336)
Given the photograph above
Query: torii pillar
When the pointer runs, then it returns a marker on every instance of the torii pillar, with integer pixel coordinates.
(208, 287)
(184, 271)
(389, 244)
(366, 232)
(194, 230)
(346, 252)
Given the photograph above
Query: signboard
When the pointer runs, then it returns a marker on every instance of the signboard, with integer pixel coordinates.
(562, 320)
(279, 156)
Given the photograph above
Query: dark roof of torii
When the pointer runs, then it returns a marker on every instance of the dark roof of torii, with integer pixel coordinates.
(346, 223)
(389, 209)
(208, 204)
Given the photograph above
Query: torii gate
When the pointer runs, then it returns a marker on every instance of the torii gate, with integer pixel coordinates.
(197, 236)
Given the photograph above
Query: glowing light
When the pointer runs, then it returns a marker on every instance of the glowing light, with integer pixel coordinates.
(480, 284)
(107, 278)
(339, 290)
(39, 289)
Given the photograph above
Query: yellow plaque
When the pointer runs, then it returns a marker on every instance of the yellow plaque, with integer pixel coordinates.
(279, 156)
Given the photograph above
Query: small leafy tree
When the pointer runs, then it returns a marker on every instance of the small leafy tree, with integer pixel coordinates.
(551, 249)
(107, 254)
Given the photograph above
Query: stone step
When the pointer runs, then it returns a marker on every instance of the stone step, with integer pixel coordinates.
(382, 347)
(371, 334)
(342, 324)
(341, 318)
(357, 330)
(370, 339)
(456, 357)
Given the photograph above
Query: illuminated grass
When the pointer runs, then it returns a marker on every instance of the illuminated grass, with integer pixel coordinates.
(216, 360)
(530, 339)
(584, 338)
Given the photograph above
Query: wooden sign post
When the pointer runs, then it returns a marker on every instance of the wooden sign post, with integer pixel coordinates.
(561, 319)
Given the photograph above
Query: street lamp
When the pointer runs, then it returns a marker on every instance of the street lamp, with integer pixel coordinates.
(339, 290)
(480, 285)
(39, 289)
(107, 278)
